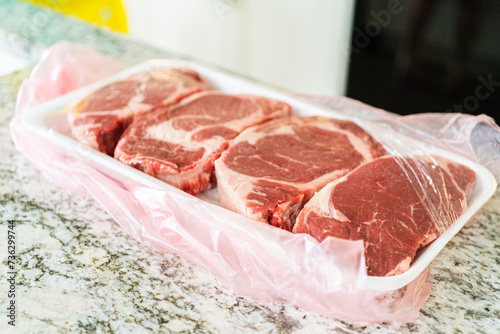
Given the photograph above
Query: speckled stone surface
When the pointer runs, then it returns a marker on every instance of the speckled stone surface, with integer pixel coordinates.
(79, 272)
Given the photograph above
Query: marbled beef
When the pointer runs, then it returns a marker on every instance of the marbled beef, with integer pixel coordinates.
(179, 144)
(270, 171)
(99, 119)
(395, 205)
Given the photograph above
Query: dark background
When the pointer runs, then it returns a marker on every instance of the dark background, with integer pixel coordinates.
(379, 34)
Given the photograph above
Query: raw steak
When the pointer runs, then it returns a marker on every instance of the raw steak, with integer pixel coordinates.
(396, 205)
(271, 170)
(99, 119)
(179, 144)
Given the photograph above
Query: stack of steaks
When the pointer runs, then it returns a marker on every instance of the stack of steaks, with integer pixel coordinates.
(321, 176)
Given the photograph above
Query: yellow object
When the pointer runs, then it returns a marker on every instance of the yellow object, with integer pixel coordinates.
(108, 13)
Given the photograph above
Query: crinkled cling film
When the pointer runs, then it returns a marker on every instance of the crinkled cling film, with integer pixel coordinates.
(252, 258)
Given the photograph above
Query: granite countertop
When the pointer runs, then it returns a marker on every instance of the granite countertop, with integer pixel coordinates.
(78, 271)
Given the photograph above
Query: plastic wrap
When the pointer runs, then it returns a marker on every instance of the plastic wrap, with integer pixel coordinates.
(252, 258)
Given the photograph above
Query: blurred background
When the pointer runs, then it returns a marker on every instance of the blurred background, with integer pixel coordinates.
(400, 55)
(427, 56)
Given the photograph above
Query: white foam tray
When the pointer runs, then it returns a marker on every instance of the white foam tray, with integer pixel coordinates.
(484, 188)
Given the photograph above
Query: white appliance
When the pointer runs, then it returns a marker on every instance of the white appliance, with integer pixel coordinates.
(296, 45)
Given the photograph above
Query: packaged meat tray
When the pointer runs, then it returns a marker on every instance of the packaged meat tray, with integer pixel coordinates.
(255, 259)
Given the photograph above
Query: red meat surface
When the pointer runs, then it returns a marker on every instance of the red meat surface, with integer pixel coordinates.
(100, 119)
(270, 171)
(179, 144)
(395, 205)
